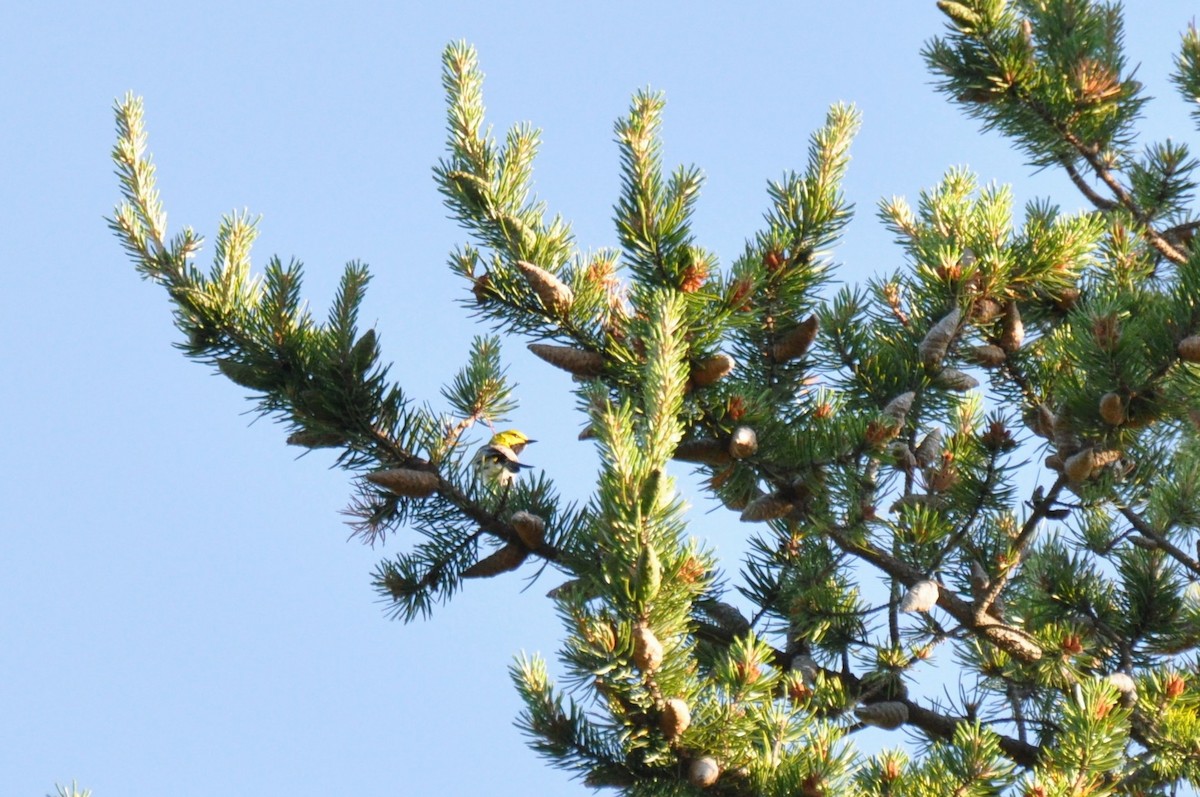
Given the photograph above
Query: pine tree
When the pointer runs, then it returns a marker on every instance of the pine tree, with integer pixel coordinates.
(880, 441)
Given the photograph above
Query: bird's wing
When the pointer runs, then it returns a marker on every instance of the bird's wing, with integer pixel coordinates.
(506, 456)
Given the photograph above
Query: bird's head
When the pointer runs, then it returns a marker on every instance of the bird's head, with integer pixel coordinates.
(512, 439)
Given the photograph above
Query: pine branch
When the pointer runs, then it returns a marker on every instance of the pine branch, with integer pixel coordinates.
(1085, 188)
(805, 415)
(1160, 540)
(1018, 546)
(1016, 642)
(1125, 199)
(1020, 99)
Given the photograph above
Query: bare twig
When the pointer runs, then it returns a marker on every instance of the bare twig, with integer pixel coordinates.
(1090, 193)
(1123, 197)
(1016, 642)
(1024, 537)
(1147, 530)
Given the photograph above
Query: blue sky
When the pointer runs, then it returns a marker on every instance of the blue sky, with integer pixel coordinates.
(179, 608)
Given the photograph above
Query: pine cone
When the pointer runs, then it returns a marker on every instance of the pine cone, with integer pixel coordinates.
(567, 589)
(1078, 467)
(556, 296)
(1082, 466)
(728, 618)
(1106, 330)
(988, 356)
(1012, 330)
(796, 343)
(956, 380)
(1112, 409)
(984, 310)
(963, 16)
(1041, 421)
(579, 362)
(507, 558)
(743, 443)
(316, 439)
(406, 482)
(530, 528)
(676, 717)
(930, 449)
(898, 407)
(475, 188)
(703, 772)
(517, 231)
(704, 451)
(1189, 349)
(647, 650)
(937, 341)
(712, 370)
(482, 289)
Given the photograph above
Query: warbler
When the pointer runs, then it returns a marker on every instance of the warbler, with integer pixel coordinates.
(496, 461)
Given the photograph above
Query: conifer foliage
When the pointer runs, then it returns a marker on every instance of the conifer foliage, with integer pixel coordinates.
(881, 443)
